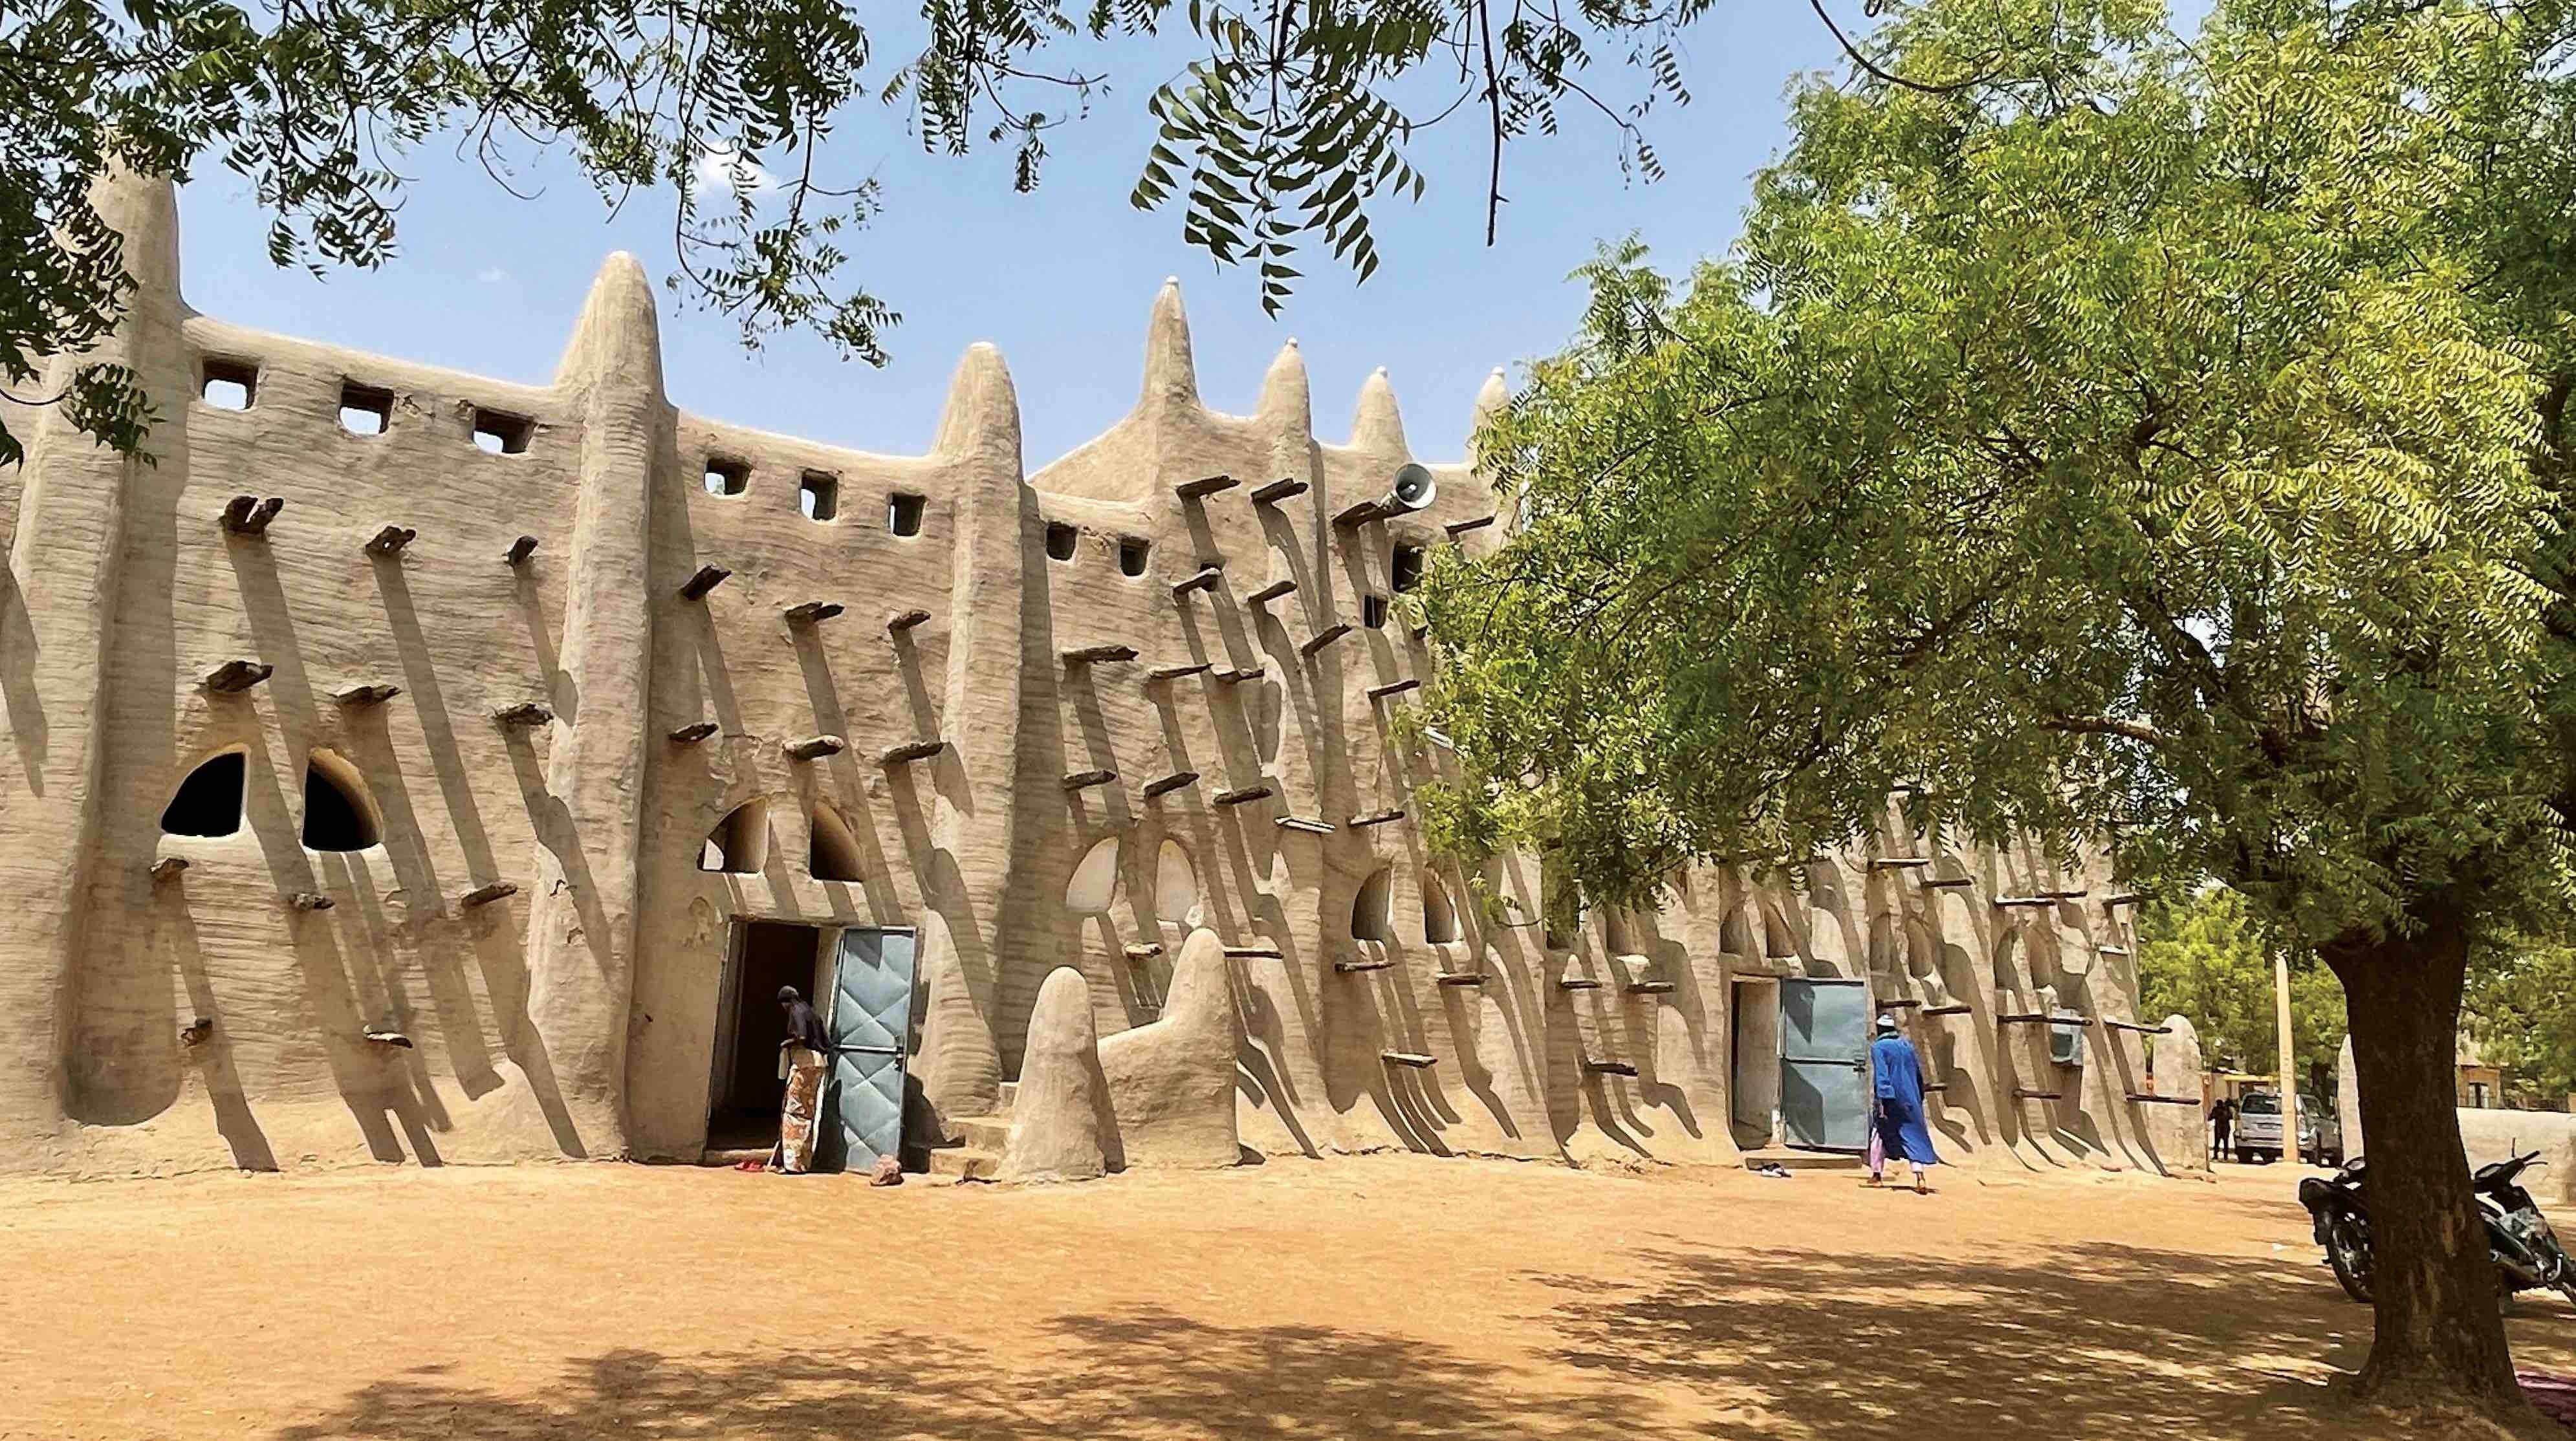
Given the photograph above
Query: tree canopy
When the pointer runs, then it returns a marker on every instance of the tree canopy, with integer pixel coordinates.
(2201, 956)
(1286, 133)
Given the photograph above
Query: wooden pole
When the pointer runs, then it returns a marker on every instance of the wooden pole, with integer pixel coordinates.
(2289, 1066)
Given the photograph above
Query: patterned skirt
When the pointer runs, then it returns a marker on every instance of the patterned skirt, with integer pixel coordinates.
(800, 1114)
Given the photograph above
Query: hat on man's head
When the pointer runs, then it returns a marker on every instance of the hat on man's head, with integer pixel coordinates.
(1887, 1023)
(786, 994)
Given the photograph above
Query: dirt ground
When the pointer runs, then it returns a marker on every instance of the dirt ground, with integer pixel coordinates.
(1374, 1297)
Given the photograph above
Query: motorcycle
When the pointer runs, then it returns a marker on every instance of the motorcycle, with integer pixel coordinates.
(2526, 1251)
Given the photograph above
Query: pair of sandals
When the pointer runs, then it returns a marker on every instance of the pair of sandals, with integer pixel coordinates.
(1772, 1169)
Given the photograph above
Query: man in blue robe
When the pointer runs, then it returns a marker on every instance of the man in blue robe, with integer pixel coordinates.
(1897, 1111)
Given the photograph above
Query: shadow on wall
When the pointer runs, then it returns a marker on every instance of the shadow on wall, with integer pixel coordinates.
(1142, 1373)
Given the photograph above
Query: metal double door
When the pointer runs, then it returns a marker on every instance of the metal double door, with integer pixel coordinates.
(871, 1027)
(1824, 1064)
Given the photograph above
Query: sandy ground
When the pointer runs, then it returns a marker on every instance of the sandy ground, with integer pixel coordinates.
(1354, 1298)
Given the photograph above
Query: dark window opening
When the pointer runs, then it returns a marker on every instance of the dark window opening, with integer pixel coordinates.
(903, 513)
(497, 432)
(833, 852)
(746, 1088)
(1131, 555)
(1059, 541)
(1369, 910)
(365, 409)
(1406, 573)
(740, 841)
(1439, 916)
(819, 495)
(1373, 611)
(209, 801)
(230, 384)
(336, 814)
(727, 477)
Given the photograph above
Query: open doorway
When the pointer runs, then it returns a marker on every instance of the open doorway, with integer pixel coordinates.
(744, 1093)
(1753, 1057)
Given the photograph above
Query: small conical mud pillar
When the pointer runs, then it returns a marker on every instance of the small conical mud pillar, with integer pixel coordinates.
(1171, 1084)
(1060, 1125)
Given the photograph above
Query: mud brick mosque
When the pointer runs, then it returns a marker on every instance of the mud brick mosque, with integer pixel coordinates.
(414, 767)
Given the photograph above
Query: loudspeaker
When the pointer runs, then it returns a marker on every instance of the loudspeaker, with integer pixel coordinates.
(1412, 490)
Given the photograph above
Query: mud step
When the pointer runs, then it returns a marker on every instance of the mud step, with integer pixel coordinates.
(733, 1155)
(1010, 1093)
(983, 1133)
(965, 1163)
(1794, 1160)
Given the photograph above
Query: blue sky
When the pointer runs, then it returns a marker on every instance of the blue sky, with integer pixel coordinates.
(1061, 279)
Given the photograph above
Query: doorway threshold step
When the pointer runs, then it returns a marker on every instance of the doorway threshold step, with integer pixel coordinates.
(733, 1155)
(965, 1163)
(1792, 1159)
(983, 1133)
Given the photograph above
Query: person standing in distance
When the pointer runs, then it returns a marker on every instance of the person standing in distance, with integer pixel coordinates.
(1896, 1107)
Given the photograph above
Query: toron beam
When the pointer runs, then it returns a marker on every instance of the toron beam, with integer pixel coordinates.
(1462, 978)
(1252, 953)
(1170, 783)
(1393, 688)
(813, 611)
(1278, 490)
(1244, 794)
(1273, 591)
(2123, 898)
(1457, 528)
(310, 901)
(524, 714)
(814, 748)
(390, 540)
(2075, 895)
(1202, 488)
(1374, 818)
(707, 579)
(1650, 988)
(1578, 983)
(1085, 780)
(1238, 677)
(910, 751)
(2140, 1028)
(1175, 672)
(1205, 579)
(1948, 883)
(486, 895)
(1897, 863)
(168, 866)
(1945, 1010)
(689, 735)
(395, 1039)
(2023, 1094)
(2025, 902)
(359, 697)
(1353, 968)
(520, 550)
(1414, 1059)
(904, 620)
(1360, 514)
(1299, 823)
(1610, 1068)
(235, 676)
(1323, 638)
(1094, 654)
(1143, 953)
(250, 515)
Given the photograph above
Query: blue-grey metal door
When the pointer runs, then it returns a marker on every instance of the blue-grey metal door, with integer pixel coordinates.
(1824, 1064)
(871, 1024)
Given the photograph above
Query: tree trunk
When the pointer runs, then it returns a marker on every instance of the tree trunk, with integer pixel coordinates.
(2439, 1341)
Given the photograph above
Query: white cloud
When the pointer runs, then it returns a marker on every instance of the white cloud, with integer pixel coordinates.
(493, 276)
(726, 172)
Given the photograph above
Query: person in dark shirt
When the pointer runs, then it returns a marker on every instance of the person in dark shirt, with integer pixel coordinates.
(2222, 1126)
(801, 1059)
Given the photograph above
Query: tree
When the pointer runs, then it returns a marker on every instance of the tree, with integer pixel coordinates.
(2160, 438)
(2202, 956)
(2521, 1008)
(1282, 135)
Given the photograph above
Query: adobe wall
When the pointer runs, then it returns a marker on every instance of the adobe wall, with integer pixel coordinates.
(575, 1014)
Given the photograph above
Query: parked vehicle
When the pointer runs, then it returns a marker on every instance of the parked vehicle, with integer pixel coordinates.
(2258, 1128)
(2320, 1132)
(2526, 1251)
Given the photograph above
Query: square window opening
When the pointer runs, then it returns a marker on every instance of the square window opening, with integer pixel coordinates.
(365, 409)
(1373, 611)
(498, 432)
(727, 477)
(1406, 573)
(903, 513)
(1059, 541)
(819, 495)
(1131, 555)
(229, 384)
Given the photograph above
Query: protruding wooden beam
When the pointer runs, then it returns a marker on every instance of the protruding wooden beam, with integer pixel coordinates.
(1323, 638)
(1204, 487)
(707, 579)
(1095, 654)
(1170, 783)
(2122, 898)
(1143, 953)
(390, 540)
(1649, 988)
(814, 748)
(1414, 1059)
(910, 751)
(1252, 953)
(195, 1032)
(486, 895)
(1948, 883)
(692, 733)
(395, 1039)
(1353, 968)
(2111, 950)
(1176, 672)
(1461, 978)
(1242, 794)
(2024, 902)
(2073, 895)
(1205, 579)
(1954, 1010)
(1897, 863)
(310, 901)
(1300, 823)
(168, 866)
(2140, 1027)
(1374, 818)
(2024, 1093)
(520, 550)
(525, 714)
(235, 676)
(1273, 591)
(1457, 528)
(1899, 1003)
(1393, 688)
(904, 620)
(1610, 1068)
(1357, 515)
(250, 515)
(813, 612)
(359, 697)
(1578, 983)
(1085, 780)
(1278, 490)
(1245, 673)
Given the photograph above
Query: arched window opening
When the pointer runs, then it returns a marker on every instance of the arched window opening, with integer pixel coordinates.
(1439, 916)
(1095, 879)
(832, 853)
(1369, 910)
(209, 801)
(337, 814)
(1176, 886)
(740, 842)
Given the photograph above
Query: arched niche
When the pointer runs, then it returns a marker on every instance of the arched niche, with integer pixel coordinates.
(1370, 912)
(1439, 912)
(208, 801)
(1095, 879)
(339, 815)
(831, 848)
(1176, 886)
(739, 845)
